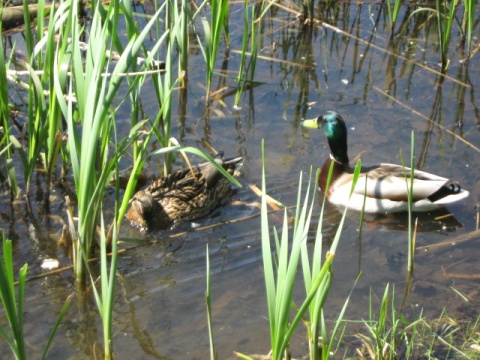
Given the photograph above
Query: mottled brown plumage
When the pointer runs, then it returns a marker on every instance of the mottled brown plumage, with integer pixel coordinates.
(181, 196)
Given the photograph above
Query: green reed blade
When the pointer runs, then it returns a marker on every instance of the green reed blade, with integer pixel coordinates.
(13, 305)
(208, 303)
(60, 317)
(469, 17)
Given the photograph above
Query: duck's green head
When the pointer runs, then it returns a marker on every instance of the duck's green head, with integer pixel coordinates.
(335, 130)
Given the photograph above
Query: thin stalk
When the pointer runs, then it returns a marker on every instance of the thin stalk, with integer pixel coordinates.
(409, 178)
(411, 229)
(213, 355)
(60, 317)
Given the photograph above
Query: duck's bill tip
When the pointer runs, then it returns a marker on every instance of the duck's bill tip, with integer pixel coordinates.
(310, 123)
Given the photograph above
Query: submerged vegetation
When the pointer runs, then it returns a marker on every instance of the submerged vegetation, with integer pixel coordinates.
(63, 132)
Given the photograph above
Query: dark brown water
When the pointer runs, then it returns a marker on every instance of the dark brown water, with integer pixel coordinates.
(384, 90)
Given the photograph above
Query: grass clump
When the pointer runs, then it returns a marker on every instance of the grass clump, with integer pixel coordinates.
(388, 332)
(280, 272)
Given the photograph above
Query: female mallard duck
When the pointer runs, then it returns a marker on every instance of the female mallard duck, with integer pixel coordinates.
(382, 186)
(181, 196)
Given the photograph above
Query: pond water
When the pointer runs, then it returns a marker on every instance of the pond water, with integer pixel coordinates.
(384, 90)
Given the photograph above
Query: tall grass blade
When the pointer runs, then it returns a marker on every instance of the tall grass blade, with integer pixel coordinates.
(201, 154)
(213, 355)
(267, 257)
(409, 179)
(13, 305)
(63, 312)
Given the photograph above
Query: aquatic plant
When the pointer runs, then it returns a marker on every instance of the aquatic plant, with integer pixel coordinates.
(468, 21)
(86, 109)
(105, 297)
(93, 147)
(251, 30)
(445, 15)
(411, 230)
(445, 18)
(179, 23)
(241, 76)
(213, 31)
(43, 127)
(164, 85)
(386, 333)
(311, 272)
(5, 141)
(208, 303)
(13, 305)
(280, 283)
(393, 14)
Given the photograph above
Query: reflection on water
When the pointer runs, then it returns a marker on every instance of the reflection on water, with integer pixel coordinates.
(385, 87)
(440, 221)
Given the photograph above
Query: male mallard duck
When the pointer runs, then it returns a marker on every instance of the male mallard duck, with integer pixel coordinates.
(383, 186)
(181, 196)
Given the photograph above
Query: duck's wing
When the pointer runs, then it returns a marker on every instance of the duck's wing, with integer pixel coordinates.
(392, 182)
(186, 185)
(211, 174)
(181, 185)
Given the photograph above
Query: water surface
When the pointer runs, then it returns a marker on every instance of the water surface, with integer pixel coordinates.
(384, 89)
